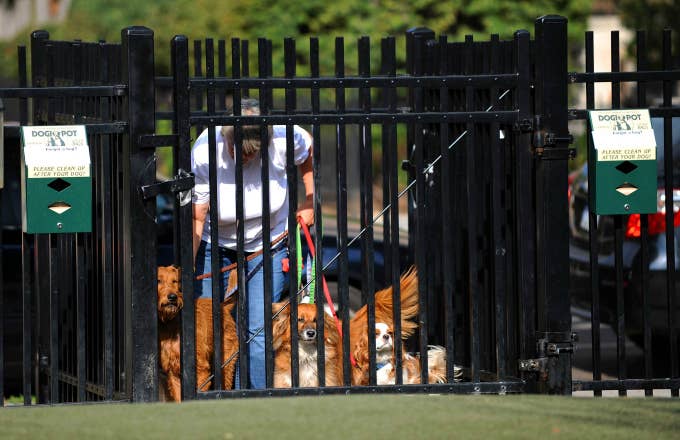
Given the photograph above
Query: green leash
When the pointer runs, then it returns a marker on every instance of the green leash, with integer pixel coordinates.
(298, 247)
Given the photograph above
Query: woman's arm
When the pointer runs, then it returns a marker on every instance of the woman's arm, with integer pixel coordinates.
(306, 210)
(200, 212)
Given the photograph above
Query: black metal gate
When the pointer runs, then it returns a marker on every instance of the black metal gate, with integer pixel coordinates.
(480, 127)
(77, 288)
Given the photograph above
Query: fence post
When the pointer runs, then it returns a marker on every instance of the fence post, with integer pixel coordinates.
(183, 248)
(551, 139)
(139, 242)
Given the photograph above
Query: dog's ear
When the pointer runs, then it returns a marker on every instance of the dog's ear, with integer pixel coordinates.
(361, 352)
(177, 269)
(280, 323)
(280, 310)
(330, 329)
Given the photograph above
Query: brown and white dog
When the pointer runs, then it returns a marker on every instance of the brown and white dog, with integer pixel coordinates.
(386, 364)
(307, 352)
(408, 285)
(170, 303)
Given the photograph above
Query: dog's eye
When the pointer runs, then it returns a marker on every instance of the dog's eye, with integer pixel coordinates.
(301, 319)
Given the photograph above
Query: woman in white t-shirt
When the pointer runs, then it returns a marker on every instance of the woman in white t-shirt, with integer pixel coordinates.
(252, 196)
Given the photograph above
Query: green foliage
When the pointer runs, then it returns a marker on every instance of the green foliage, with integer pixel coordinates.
(92, 20)
(653, 16)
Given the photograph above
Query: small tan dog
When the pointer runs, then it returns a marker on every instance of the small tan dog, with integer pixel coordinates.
(307, 353)
(170, 303)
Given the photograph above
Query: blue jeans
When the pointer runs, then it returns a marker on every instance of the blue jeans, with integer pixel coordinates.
(255, 295)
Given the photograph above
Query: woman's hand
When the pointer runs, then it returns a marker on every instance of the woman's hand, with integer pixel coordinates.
(306, 210)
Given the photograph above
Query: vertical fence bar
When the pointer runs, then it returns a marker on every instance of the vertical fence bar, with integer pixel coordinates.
(265, 105)
(221, 72)
(592, 229)
(245, 64)
(448, 259)
(2, 287)
(108, 59)
(416, 39)
(498, 230)
(54, 319)
(81, 308)
(138, 73)
(366, 200)
(215, 262)
(291, 173)
(2, 275)
(390, 195)
(388, 103)
(618, 236)
(552, 213)
(341, 183)
(474, 286)
(642, 65)
(27, 294)
(318, 226)
(32, 287)
(183, 251)
(242, 314)
(670, 231)
(198, 73)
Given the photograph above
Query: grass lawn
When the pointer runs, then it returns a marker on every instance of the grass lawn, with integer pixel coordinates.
(355, 417)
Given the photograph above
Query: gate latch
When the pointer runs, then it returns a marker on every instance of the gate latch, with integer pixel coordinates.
(559, 148)
(181, 185)
(551, 345)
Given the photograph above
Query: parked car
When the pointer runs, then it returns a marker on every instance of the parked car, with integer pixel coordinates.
(579, 250)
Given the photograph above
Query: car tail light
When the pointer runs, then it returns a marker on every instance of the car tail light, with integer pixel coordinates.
(570, 180)
(657, 222)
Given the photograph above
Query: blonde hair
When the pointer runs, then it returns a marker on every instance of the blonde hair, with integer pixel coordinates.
(251, 141)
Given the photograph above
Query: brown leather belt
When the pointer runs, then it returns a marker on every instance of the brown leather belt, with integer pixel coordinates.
(248, 258)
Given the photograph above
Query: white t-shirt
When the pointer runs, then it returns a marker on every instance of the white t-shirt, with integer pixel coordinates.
(252, 187)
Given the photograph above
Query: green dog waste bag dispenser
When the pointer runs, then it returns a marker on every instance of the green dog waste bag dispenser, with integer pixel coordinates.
(56, 181)
(625, 162)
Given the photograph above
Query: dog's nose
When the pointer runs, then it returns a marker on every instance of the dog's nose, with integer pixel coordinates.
(386, 337)
(172, 297)
(310, 333)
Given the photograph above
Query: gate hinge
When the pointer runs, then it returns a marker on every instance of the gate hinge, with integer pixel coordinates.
(182, 184)
(539, 365)
(524, 126)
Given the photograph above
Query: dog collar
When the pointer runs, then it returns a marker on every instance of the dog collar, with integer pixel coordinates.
(379, 366)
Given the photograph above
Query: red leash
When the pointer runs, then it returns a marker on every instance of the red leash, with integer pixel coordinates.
(326, 292)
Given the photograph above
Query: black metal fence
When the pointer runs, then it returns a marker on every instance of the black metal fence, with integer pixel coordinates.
(624, 268)
(480, 129)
